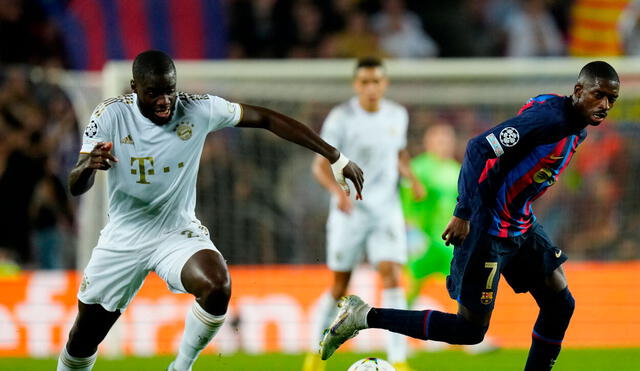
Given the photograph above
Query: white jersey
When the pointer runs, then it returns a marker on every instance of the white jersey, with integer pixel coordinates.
(372, 140)
(152, 189)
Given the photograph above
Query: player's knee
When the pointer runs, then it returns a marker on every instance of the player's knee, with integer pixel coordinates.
(215, 289)
(561, 303)
(470, 333)
(565, 303)
(475, 335)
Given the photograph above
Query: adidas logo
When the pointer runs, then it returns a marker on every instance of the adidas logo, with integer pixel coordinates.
(127, 140)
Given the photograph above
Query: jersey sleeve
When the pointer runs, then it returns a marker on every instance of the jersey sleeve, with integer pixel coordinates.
(99, 128)
(331, 131)
(223, 114)
(522, 132)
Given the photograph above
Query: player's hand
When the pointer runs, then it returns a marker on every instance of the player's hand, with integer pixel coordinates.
(456, 231)
(100, 157)
(418, 190)
(354, 173)
(344, 203)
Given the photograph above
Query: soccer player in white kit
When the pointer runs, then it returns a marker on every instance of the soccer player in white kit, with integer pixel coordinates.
(373, 131)
(150, 143)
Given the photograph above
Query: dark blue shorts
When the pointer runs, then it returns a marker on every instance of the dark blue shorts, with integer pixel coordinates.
(524, 261)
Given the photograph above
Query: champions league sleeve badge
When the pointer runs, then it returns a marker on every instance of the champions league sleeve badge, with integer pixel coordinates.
(509, 136)
(91, 130)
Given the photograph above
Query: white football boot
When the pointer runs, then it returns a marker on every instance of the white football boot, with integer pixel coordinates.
(351, 318)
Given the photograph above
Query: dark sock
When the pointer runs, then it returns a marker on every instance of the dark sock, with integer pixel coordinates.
(407, 322)
(542, 355)
(427, 325)
(548, 332)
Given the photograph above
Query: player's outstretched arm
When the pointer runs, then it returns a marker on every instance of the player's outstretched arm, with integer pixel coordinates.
(82, 176)
(296, 132)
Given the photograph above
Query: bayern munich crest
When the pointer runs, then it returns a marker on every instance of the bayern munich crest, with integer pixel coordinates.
(184, 130)
(509, 136)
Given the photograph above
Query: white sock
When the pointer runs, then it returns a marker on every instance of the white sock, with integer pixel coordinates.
(199, 328)
(67, 362)
(396, 343)
(327, 309)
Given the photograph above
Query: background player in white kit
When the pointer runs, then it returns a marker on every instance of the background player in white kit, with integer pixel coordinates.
(151, 142)
(373, 131)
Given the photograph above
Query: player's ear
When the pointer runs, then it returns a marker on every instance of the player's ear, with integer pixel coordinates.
(577, 90)
(133, 86)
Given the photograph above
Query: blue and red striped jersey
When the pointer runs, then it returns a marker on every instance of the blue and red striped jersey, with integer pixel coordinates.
(509, 166)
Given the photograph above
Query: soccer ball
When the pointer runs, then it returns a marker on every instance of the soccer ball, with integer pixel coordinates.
(371, 364)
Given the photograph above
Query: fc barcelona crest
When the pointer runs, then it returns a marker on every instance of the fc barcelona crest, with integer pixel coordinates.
(487, 297)
(184, 130)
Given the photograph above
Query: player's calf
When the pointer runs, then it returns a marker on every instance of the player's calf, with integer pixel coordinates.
(428, 325)
(553, 320)
(200, 327)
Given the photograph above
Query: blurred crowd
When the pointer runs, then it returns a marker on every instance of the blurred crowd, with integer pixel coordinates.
(397, 28)
(256, 194)
(42, 33)
(39, 140)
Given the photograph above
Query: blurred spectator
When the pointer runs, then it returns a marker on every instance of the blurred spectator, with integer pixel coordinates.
(629, 26)
(532, 32)
(401, 33)
(336, 13)
(448, 24)
(308, 32)
(259, 29)
(52, 223)
(356, 41)
(486, 28)
(28, 36)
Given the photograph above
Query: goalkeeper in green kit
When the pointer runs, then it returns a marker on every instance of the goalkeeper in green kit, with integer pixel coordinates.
(437, 170)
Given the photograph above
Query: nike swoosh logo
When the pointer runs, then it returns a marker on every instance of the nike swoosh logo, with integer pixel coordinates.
(556, 157)
(558, 253)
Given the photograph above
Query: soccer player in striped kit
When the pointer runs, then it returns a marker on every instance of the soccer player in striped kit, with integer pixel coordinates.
(494, 230)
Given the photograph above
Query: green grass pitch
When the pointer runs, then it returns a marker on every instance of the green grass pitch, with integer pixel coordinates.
(570, 359)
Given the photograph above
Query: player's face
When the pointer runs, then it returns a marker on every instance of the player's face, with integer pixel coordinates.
(593, 100)
(156, 96)
(440, 140)
(370, 84)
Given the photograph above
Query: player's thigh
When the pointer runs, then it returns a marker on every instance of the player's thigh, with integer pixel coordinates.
(475, 272)
(387, 241)
(536, 264)
(177, 249)
(346, 236)
(112, 277)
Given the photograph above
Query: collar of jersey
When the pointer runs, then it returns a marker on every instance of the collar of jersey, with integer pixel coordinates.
(356, 105)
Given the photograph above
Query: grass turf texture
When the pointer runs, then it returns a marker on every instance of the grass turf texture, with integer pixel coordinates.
(571, 359)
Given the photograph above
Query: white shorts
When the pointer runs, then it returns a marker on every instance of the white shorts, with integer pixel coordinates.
(115, 273)
(349, 236)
